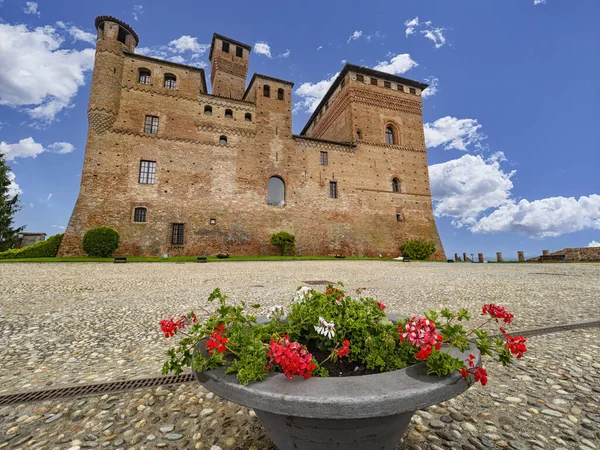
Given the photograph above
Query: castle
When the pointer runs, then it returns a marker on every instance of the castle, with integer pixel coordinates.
(180, 171)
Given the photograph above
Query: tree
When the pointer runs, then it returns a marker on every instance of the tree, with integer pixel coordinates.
(418, 249)
(285, 241)
(8, 207)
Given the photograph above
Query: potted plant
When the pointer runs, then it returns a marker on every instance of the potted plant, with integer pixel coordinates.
(333, 371)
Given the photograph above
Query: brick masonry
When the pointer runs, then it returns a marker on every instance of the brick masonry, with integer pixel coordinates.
(219, 190)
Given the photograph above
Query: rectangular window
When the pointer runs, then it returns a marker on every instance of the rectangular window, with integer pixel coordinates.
(387, 84)
(239, 52)
(401, 88)
(333, 189)
(225, 47)
(147, 172)
(374, 81)
(139, 215)
(360, 78)
(412, 90)
(177, 237)
(399, 218)
(324, 159)
(151, 125)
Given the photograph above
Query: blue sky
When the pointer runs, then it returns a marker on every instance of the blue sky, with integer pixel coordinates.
(510, 119)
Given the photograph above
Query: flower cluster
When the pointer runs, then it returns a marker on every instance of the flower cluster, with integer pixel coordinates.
(380, 305)
(421, 333)
(217, 341)
(344, 350)
(278, 312)
(171, 326)
(325, 328)
(337, 294)
(516, 344)
(479, 373)
(497, 312)
(292, 357)
(302, 294)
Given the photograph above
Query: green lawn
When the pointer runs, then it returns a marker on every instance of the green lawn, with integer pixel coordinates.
(191, 259)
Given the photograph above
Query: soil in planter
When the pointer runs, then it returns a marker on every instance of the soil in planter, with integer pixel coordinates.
(341, 368)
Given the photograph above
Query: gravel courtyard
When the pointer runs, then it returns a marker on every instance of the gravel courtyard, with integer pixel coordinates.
(63, 324)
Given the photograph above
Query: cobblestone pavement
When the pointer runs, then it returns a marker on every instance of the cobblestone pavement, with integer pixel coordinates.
(79, 323)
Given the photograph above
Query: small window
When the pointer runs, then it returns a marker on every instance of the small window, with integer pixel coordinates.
(342, 83)
(177, 235)
(208, 110)
(266, 90)
(228, 114)
(225, 47)
(401, 88)
(213, 221)
(387, 84)
(389, 136)
(360, 78)
(333, 189)
(412, 90)
(151, 125)
(223, 140)
(248, 117)
(170, 82)
(147, 172)
(239, 52)
(324, 158)
(374, 81)
(275, 192)
(358, 135)
(280, 94)
(399, 218)
(395, 185)
(122, 36)
(144, 76)
(139, 215)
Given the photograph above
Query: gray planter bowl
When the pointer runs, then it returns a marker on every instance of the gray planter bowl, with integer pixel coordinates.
(369, 412)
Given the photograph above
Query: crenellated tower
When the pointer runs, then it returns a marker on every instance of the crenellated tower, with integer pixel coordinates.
(228, 66)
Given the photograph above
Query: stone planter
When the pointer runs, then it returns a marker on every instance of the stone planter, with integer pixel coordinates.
(369, 412)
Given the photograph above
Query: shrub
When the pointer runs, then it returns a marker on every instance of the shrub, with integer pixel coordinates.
(285, 241)
(100, 241)
(42, 249)
(418, 249)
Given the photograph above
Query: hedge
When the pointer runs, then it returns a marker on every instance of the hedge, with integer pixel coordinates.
(42, 249)
(100, 241)
(418, 249)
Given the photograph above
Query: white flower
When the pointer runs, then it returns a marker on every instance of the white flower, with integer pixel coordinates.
(278, 312)
(302, 294)
(325, 328)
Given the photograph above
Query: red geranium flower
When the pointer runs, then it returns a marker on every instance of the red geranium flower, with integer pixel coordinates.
(345, 350)
(381, 305)
(497, 312)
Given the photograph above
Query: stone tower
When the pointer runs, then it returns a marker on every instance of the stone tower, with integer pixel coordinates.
(228, 66)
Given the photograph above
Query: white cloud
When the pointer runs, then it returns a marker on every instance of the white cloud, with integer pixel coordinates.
(464, 188)
(262, 48)
(594, 244)
(285, 54)
(138, 10)
(319, 47)
(13, 187)
(539, 2)
(60, 227)
(31, 8)
(28, 148)
(435, 34)
(187, 43)
(356, 35)
(312, 94)
(453, 133)
(432, 89)
(548, 217)
(397, 65)
(77, 33)
(36, 72)
(411, 25)
(183, 50)
(49, 196)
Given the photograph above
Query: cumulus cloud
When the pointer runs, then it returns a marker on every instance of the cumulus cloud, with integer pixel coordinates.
(312, 93)
(356, 35)
(187, 43)
(13, 187)
(411, 25)
(548, 217)
(594, 244)
(137, 12)
(397, 65)
(31, 8)
(464, 188)
(432, 89)
(262, 48)
(77, 33)
(434, 34)
(453, 133)
(28, 148)
(37, 73)
(183, 50)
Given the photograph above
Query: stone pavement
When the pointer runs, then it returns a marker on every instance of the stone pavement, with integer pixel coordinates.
(79, 323)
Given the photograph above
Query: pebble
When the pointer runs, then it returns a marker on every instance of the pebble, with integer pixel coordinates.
(173, 436)
(551, 412)
(167, 428)
(437, 424)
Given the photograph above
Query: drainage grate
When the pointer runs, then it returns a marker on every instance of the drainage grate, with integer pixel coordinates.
(318, 282)
(556, 328)
(93, 389)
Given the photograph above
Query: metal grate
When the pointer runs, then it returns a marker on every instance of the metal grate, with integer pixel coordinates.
(318, 282)
(555, 329)
(93, 389)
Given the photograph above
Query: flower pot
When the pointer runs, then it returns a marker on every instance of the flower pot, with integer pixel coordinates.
(368, 412)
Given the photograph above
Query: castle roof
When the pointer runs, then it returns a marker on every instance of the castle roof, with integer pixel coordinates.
(128, 27)
(231, 41)
(365, 71)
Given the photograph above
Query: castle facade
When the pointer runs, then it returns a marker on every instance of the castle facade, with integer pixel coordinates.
(177, 170)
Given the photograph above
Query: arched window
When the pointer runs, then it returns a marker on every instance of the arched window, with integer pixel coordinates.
(144, 76)
(266, 90)
(358, 135)
(139, 214)
(389, 135)
(228, 114)
(280, 94)
(395, 185)
(208, 110)
(170, 81)
(276, 192)
(223, 140)
(248, 117)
